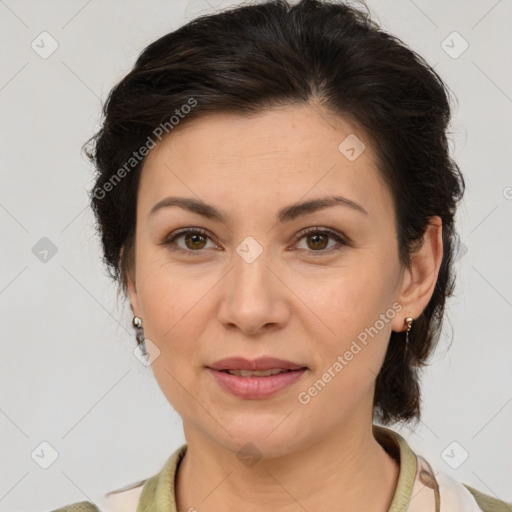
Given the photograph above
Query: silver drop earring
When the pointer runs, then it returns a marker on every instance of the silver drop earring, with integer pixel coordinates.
(139, 334)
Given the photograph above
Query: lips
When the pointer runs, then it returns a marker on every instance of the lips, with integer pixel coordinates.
(256, 387)
(259, 364)
(256, 373)
(259, 378)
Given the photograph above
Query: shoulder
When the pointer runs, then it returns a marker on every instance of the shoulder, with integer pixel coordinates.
(488, 503)
(456, 495)
(129, 497)
(432, 488)
(124, 499)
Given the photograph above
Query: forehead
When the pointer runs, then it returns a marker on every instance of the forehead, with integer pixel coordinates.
(283, 154)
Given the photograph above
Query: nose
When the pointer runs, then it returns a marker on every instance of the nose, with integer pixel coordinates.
(254, 298)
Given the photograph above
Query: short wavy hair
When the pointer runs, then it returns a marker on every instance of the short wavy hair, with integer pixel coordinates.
(255, 57)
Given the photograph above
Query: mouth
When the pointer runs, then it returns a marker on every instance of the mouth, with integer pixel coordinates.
(259, 373)
(256, 384)
(256, 366)
(258, 378)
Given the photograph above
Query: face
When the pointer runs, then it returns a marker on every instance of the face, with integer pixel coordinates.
(307, 286)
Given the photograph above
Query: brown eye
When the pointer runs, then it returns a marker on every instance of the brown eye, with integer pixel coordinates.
(194, 241)
(317, 240)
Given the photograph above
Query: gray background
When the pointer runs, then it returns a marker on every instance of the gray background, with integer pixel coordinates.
(69, 377)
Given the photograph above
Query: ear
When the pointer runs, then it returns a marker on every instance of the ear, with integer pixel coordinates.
(419, 281)
(131, 288)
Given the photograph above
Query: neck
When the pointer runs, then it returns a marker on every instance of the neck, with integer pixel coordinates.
(347, 469)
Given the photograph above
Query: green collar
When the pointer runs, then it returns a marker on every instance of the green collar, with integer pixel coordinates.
(158, 493)
(398, 448)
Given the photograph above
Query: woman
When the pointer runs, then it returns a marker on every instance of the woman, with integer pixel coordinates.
(276, 199)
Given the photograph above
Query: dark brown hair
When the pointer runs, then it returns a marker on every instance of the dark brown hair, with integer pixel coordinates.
(255, 57)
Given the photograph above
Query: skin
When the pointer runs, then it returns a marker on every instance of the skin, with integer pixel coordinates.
(305, 305)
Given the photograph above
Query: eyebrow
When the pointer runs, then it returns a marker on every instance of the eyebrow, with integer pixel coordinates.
(286, 214)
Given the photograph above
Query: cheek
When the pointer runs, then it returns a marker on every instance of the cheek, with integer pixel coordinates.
(166, 295)
(355, 309)
(174, 326)
(348, 303)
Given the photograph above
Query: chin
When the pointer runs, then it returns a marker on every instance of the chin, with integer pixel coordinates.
(257, 435)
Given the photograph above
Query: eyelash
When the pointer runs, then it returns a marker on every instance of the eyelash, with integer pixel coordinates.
(168, 241)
